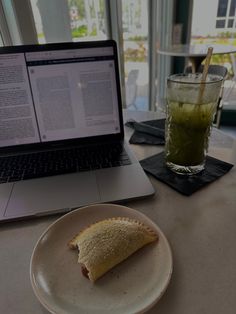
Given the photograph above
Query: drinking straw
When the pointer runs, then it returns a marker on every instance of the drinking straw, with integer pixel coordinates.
(204, 74)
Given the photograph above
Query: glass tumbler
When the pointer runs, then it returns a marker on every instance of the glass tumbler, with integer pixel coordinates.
(191, 107)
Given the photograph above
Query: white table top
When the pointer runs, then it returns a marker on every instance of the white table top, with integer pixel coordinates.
(198, 50)
(201, 230)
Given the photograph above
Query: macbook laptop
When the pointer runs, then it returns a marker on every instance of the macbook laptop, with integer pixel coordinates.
(61, 130)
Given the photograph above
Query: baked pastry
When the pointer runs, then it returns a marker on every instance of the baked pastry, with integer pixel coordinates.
(106, 243)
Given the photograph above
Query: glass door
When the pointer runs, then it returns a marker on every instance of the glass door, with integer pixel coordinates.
(132, 23)
(87, 19)
(69, 20)
(135, 41)
(76, 20)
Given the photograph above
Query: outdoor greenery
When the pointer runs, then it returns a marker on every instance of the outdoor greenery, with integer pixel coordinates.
(87, 19)
(81, 31)
(83, 9)
(80, 5)
(223, 38)
(136, 55)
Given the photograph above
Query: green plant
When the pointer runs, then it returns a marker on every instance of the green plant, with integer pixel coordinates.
(80, 31)
(94, 32)
(225, 38)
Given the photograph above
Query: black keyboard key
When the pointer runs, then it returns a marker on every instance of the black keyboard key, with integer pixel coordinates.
(105, 165)
(3, 180)
(28, 176)
(84, 168)
(116, 163)
(13, 179)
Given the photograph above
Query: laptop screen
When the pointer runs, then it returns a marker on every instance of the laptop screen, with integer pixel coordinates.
(58, 94)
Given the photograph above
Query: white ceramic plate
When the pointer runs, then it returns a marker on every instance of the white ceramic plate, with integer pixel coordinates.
(133, 286)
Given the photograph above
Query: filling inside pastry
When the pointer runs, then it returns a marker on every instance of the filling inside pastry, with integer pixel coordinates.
(106, 243)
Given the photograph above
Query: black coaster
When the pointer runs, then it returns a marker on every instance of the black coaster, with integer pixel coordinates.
(184, 184)
(146, 138)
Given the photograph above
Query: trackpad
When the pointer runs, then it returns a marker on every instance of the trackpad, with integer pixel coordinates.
(53, 193)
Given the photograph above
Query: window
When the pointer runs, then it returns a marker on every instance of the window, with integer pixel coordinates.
(135, 38)
(220, 23)
(232, 8)
(213, 29)
(222, 8)
(60, 20)
(225, 14)
(132, 23)
(87, 19)
(230, 23)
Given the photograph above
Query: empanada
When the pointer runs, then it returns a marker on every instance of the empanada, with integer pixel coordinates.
(106, 243)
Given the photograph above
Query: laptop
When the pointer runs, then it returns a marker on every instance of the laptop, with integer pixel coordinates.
(61, 130)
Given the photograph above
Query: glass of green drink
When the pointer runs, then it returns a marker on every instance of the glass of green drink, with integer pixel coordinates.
(191, 106)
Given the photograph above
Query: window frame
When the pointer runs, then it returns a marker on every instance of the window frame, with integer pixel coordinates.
(17, 28)
(27, 34)
(5, 33)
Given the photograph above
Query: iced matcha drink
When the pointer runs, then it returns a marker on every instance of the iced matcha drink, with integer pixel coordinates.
(190, 113)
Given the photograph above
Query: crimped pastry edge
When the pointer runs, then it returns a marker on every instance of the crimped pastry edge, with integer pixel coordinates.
(73, 243)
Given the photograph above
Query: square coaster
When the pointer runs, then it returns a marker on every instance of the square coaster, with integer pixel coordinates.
(187, 185)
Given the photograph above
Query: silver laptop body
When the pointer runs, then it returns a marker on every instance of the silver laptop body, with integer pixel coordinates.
(54, 97)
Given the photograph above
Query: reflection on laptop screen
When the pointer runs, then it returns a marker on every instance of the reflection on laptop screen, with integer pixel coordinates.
(57, 94)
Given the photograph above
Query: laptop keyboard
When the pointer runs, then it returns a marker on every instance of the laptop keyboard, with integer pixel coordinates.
(50, 163)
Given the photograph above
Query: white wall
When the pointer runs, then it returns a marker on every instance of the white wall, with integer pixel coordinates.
(204, 17)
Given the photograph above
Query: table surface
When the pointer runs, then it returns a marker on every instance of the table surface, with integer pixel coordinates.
(201, 230)
(198, 50)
